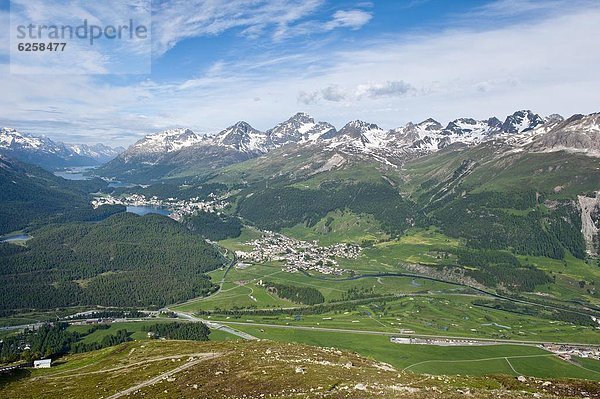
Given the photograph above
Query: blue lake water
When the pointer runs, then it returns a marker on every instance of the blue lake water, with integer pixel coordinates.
(80, 173)
(20, 237)
(120, 184)
(145, 210)
(77, 173)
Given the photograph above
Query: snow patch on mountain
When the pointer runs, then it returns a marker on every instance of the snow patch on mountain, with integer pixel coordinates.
(242, 137)
(522, 121)
(100, 152)
(45, 152)
(523, 131)
(579, 133)
(11, 138)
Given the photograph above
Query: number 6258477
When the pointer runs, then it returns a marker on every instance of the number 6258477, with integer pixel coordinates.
(51, 46)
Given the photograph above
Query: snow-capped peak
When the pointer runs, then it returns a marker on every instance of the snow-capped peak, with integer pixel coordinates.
(473, 128)
(242, 137)
(522, 121)
(50, 154)
(11, 138)
(579, 133)
(99, 152)
(553, 118)
(363, 133)
(291, 130)
(429, 125)
(168, 141)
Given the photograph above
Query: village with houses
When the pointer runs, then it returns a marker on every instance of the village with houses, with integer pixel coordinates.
(299, 255)
(178, 208)
(567, 352)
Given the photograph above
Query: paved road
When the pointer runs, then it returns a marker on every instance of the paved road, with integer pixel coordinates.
(396, 334)
(32, 326)
(204, 298)
(216, 326)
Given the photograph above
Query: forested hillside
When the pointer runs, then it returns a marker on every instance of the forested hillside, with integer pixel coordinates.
(213, 226)
(287, 206)
(30, 196)
(126, 260)
(516, 221)
(523, 202)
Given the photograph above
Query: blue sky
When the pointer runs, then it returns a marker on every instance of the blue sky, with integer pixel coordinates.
(215, 62)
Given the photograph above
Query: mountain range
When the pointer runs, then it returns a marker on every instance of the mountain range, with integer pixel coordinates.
(49, 154)
(175, 151)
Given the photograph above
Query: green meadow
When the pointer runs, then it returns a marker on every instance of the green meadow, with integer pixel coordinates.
(471, 360)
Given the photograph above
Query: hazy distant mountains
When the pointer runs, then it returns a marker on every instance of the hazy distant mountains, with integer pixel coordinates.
(162, 153)
(50, 154)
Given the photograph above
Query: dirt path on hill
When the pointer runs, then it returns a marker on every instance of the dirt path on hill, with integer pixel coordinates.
(152, 381)
(66, 373)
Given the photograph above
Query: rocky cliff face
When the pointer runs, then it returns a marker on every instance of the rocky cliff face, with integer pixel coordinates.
(579, 133)
(590, 222)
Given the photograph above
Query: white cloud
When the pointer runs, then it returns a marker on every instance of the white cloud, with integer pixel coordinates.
(373, 90)
(178, 20)
(386, 89)
(333, 93)
(80, 56)
(353, 19)
(547, 64)
(308, 98)
(511, 8)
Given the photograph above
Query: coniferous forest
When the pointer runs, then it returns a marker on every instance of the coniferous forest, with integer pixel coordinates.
(126, 260)
(303, 295)
(182, 331)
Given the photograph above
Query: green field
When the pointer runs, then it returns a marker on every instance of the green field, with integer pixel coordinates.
(435, 314)
(241, 288)
(136, 328)
(423, 306)
(482, 360)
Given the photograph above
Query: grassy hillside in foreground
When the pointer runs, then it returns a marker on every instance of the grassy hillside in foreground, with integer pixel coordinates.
(167, 369)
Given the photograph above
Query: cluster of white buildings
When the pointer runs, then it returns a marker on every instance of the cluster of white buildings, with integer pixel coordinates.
(439, 341)
(566, 352)
(178, 208)
(299, 255)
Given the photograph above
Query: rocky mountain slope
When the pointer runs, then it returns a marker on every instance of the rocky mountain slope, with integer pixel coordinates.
(98, 152)
(182, 151)
(579, 133)
(50, 154)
